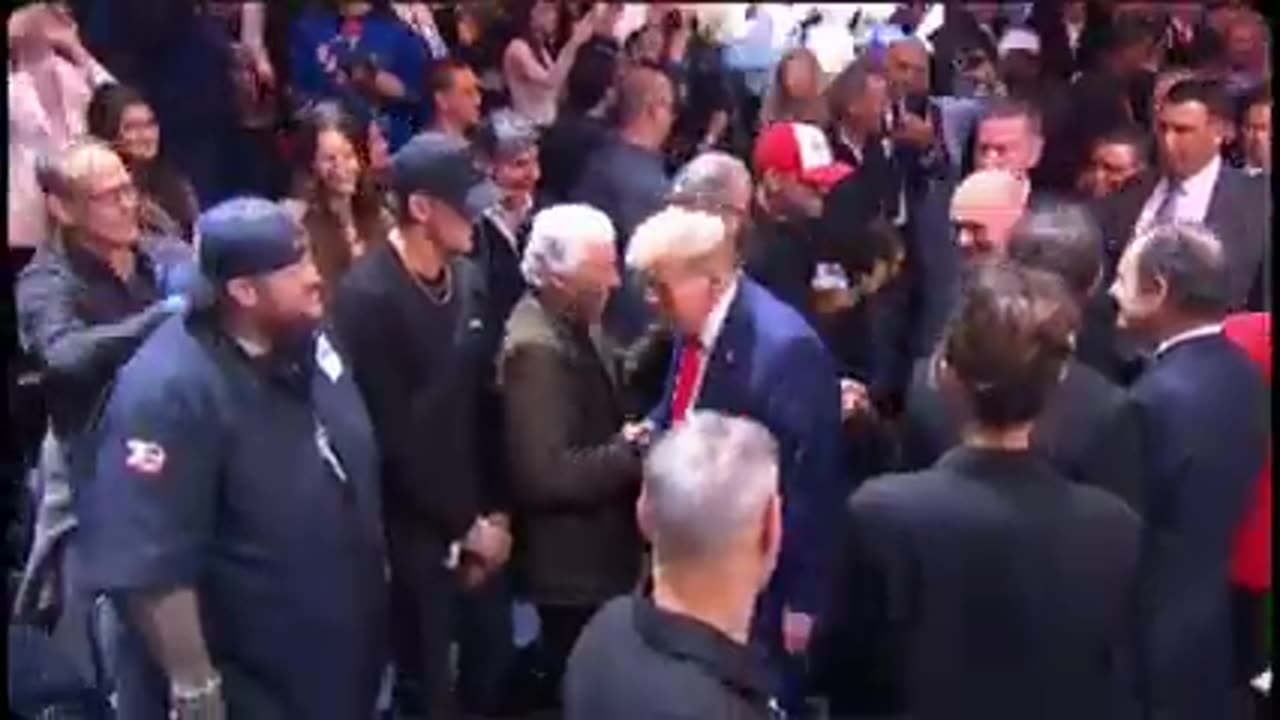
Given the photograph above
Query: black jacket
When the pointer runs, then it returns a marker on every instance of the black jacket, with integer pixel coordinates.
(573, 480)
(986, 587)
(81, 322)
(636, 661)
(1088, 431)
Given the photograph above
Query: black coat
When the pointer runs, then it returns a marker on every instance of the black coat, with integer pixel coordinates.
(573, 480)
(1088, 431)
(1202, 411)
(987, 587)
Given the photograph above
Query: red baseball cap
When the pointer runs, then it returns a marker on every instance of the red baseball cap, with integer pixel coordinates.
(800, 149)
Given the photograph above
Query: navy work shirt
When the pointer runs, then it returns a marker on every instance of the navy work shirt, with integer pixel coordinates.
(211, 474)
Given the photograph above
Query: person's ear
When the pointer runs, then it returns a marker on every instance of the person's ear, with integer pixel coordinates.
(643, 519)
(771, 537)
(243, 291)
(419, 208)
(1159, 292)
(1036, 150)
(60, 210)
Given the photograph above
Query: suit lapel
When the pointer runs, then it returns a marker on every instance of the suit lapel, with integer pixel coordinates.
(716, 392)
(1219, 215)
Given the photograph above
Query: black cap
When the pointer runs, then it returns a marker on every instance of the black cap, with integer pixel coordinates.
(245, 237)
(441, 166)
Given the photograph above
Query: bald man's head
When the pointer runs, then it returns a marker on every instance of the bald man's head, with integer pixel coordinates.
(906, 66)
(984, 210)
(646, 100)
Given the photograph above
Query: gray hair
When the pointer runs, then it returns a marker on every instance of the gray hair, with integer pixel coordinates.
(1188, 258)
(65, 171)
(704, 481)
(1062, 239)
(710, 180)
(505, 134)
(558, 239)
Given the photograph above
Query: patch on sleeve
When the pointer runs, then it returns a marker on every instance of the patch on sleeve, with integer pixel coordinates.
(145, 457)
(327, 358)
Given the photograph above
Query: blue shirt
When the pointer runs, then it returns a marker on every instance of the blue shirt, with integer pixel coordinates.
(383, 39)
(211, 474)
(628, 183)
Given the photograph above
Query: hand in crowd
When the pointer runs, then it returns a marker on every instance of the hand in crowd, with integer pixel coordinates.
(914, 131)
(854, 400)
(489, 543)
(583, 30)
(639, 433)
(796, 629)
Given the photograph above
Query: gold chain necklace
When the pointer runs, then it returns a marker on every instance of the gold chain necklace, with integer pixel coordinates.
(441, 297)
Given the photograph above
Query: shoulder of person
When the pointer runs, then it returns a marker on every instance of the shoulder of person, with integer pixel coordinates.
(170, 368)
(529, 325)
(296, 207)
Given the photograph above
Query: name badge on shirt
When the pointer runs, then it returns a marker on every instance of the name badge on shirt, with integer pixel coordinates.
(327, 359)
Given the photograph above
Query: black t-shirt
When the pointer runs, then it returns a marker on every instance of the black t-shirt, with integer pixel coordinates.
(421, 355)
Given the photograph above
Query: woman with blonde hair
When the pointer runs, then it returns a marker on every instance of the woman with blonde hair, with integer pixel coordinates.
(795, 95)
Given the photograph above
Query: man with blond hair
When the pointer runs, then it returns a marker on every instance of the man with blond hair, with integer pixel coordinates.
(739, 350)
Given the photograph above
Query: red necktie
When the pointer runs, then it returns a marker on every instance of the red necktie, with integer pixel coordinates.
(688, 365)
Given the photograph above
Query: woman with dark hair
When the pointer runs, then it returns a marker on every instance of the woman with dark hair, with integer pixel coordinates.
(988, 585)
(534, 73)
(121, 117)
(338, 201)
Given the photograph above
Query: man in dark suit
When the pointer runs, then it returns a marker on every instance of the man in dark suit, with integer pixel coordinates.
(1192, 184)
(742, 351)
(1201, 410)
(574, 480)
(1088, 429)
(989, 586)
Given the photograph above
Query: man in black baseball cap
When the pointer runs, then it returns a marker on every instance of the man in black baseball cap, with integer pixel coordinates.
(413, 313)
(236, 481)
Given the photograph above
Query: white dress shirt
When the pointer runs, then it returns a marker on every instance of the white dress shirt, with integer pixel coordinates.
(1195, 332)
(1193, 202)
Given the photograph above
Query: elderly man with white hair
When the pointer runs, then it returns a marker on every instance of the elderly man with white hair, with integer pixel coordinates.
(711, 508)
(742, 351)
(574, 480)
(713, 182)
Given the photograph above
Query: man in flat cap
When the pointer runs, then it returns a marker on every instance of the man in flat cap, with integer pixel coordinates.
(234, 515)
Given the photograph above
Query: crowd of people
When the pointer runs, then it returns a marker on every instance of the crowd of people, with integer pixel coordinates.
(478, 359)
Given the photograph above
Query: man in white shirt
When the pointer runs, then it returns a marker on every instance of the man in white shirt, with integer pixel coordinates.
(1192, 184)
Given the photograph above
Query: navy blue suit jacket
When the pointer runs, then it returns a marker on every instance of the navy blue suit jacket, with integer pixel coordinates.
(1201, 408)
(770, 366)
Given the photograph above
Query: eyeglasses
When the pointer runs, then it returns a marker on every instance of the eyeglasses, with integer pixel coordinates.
(116, 194)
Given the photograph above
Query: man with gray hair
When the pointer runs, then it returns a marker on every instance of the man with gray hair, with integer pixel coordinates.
(718, 183)
(507, 146)
(741, 350)
(711, 508)
(573, 479)
(1200, 405)
(91, 294)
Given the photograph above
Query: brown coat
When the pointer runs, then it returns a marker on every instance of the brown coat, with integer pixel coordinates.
(573, 481)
